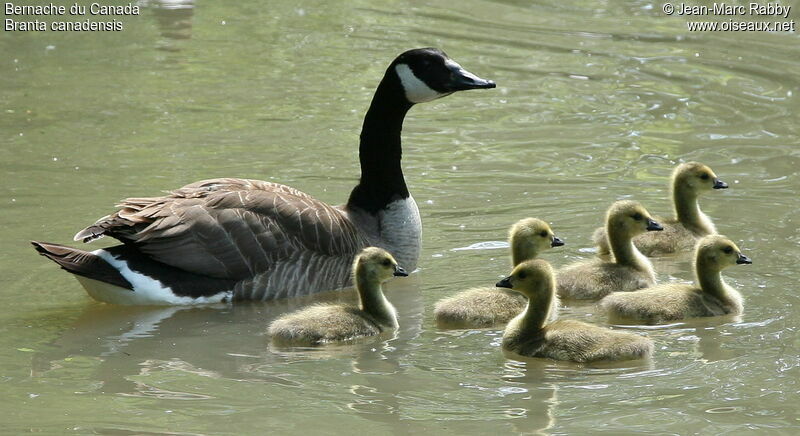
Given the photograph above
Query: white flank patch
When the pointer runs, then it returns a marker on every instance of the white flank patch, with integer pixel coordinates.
(146, 290)
(416, 90)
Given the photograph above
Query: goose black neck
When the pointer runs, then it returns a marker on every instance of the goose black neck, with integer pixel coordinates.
(380, 151)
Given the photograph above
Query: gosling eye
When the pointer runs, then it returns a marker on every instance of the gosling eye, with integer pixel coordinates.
(637, 216)
(728, 250)
(705, 176)
(522, 275)
(543, 234)
(387, 262)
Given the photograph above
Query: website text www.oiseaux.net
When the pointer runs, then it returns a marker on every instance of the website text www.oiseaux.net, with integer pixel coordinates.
(753, 17)
(740, 26)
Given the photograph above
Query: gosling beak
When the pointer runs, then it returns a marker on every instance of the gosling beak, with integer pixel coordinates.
(743, 259)
(556, 242)
(399, 271)
(719, 184)
(461, 79)
(652, 225)
(505, 283)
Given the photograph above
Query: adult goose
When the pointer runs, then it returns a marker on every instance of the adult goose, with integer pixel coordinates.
(240, 239)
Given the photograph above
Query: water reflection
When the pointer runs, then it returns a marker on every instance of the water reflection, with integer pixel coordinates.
(537, 396)
(130, 345)
(174, 20)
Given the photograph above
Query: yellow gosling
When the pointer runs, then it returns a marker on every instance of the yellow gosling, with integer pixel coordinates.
(333, 322)
(530, 334)
(711, 296)
(628, 271)
(689, 224)
(490, 306)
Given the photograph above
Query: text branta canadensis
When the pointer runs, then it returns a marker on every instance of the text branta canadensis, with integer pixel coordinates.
(490, 306)
(628, 271)
(681, 233)
(253, 240)
(332, 322)
(710, 296)
(529, 334)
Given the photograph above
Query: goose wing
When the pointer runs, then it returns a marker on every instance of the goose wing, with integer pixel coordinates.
(229, 228)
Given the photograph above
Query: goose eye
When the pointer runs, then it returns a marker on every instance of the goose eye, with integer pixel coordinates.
(522, 275)
(705, 176)
(637, 216)
(387, 262)
(543, 234)
(728, 250)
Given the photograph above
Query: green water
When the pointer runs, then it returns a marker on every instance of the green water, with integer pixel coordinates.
(596, 101)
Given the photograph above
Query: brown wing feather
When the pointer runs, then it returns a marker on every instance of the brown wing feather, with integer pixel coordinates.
(231, 228)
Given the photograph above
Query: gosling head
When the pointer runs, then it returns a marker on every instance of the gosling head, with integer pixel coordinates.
(530, 236)
(695, 177)
(719, 252)
(531, 278)
(630, 218)
(376, 265)
(428, 73)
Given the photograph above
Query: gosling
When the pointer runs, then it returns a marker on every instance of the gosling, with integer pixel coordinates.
(323, 323)
(489, 306)
(682, 232)
(628, 271)
(529, 334)
(710, 297)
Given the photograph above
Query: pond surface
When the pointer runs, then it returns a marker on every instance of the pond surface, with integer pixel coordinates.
(596, 101)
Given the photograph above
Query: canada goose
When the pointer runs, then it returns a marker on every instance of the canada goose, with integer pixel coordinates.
(222, 239)
(489, 306)
(333, 322)
(628, 271)
(711, 296)
(681, 233)
(529, 333)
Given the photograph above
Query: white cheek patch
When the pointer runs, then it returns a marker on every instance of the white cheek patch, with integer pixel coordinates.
(416, 90)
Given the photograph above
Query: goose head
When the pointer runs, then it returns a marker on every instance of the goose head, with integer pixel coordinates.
(530, 236)
(426, 74)
(696, 177)
(532, 278)
(719, 252)
(630, 218)
(376, 265)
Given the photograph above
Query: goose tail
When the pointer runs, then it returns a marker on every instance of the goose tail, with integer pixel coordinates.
(82, 263)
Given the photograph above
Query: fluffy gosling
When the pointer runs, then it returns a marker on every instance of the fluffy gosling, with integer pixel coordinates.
(682, 232)
(490, 306)
(628, 271)
(711, 296)
(529, 334)
(333, 322)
